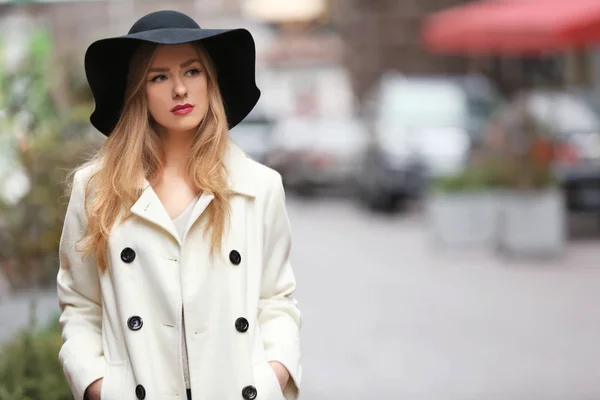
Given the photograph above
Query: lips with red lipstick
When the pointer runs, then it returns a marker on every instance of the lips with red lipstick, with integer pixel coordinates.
(181, 109)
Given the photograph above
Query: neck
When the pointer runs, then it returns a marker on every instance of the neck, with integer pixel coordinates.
(176, 147)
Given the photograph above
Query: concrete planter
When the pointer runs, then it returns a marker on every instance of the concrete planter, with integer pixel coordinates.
(533, 223)
(464, 218)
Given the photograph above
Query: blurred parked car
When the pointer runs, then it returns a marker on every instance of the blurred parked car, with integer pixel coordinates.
(254, 135)
(289, 140)
(318, 153)
(576, 125)
(419, 128)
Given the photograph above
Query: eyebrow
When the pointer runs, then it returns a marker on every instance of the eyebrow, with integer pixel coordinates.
(182, 65)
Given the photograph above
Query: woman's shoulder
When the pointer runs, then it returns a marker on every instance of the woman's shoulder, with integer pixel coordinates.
(84, 173)
(249, 175)
(81, 178)
(267, 183)
(264, 174)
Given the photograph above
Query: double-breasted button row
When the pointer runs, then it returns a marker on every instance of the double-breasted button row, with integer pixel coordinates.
(135, 323)
(128, 255)
(248, 393)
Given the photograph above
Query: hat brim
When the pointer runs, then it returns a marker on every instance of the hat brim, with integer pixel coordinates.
(232, 52)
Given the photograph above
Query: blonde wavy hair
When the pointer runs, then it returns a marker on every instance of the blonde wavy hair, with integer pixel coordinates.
(133, 152)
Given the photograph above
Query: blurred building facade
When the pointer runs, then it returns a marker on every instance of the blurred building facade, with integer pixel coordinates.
(301, 71)
(305, 59)
(75, 23)
(315, 57)
(382, 35)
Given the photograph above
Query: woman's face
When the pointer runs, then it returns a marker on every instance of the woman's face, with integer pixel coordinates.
(176, 88)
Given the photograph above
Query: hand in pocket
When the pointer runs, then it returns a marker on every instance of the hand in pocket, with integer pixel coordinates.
(281, 372)
(93, 391)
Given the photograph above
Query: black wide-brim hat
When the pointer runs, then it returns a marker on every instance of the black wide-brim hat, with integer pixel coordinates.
(231, 50)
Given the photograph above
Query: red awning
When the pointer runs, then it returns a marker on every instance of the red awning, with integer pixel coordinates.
(514, 26)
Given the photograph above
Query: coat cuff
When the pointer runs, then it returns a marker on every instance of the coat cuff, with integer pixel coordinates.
(291, 361)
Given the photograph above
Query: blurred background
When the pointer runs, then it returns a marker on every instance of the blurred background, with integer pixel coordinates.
(442, 167)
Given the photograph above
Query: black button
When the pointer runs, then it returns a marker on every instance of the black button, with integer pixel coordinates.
(249, 392)
(135, 323)
(235, 257)
(127, 255)
(140, 392)
(241, 324)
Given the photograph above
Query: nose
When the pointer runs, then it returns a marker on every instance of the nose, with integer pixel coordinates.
(179, 89)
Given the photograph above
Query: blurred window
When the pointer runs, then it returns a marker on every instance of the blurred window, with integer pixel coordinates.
(424, 104)
(334, 133)
(293, 134)
(322, 132)
(563, 113)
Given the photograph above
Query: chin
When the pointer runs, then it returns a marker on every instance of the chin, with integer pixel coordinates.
(183, 125)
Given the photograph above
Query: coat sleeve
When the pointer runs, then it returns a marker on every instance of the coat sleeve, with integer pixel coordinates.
(279, 317)
(79, 298)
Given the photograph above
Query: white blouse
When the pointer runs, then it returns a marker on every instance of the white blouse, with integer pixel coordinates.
(180, 224)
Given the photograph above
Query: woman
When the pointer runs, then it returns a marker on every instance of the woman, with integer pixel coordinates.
(174, 277)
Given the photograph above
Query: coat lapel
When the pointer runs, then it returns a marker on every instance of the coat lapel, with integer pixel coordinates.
(150, 208)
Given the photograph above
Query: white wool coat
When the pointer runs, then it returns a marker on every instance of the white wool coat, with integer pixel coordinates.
(125, 325)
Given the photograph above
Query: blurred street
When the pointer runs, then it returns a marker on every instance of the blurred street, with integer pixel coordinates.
(387, 315)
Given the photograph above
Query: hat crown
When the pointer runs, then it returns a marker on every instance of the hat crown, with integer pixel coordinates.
(166, 19)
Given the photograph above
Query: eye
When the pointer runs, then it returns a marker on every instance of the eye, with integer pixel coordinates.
(158, 78)
(193, 72)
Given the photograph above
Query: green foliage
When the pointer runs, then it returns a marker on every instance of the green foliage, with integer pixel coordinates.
(498, 172)
(29, 366)
(2, 77)
(30, 230)
(467, 180)
(46, 142)
(518, 173)
(75, 79)
(517, 154)
(524, 151)
(39, 101)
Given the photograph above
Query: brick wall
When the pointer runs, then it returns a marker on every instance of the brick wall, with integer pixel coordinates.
(380, 35)
(75, 24)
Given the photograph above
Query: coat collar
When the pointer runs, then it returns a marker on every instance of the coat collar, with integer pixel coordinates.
(149, 207)
(238, 171)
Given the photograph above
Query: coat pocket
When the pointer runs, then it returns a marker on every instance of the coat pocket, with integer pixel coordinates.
(113, 381)
(267, 384)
